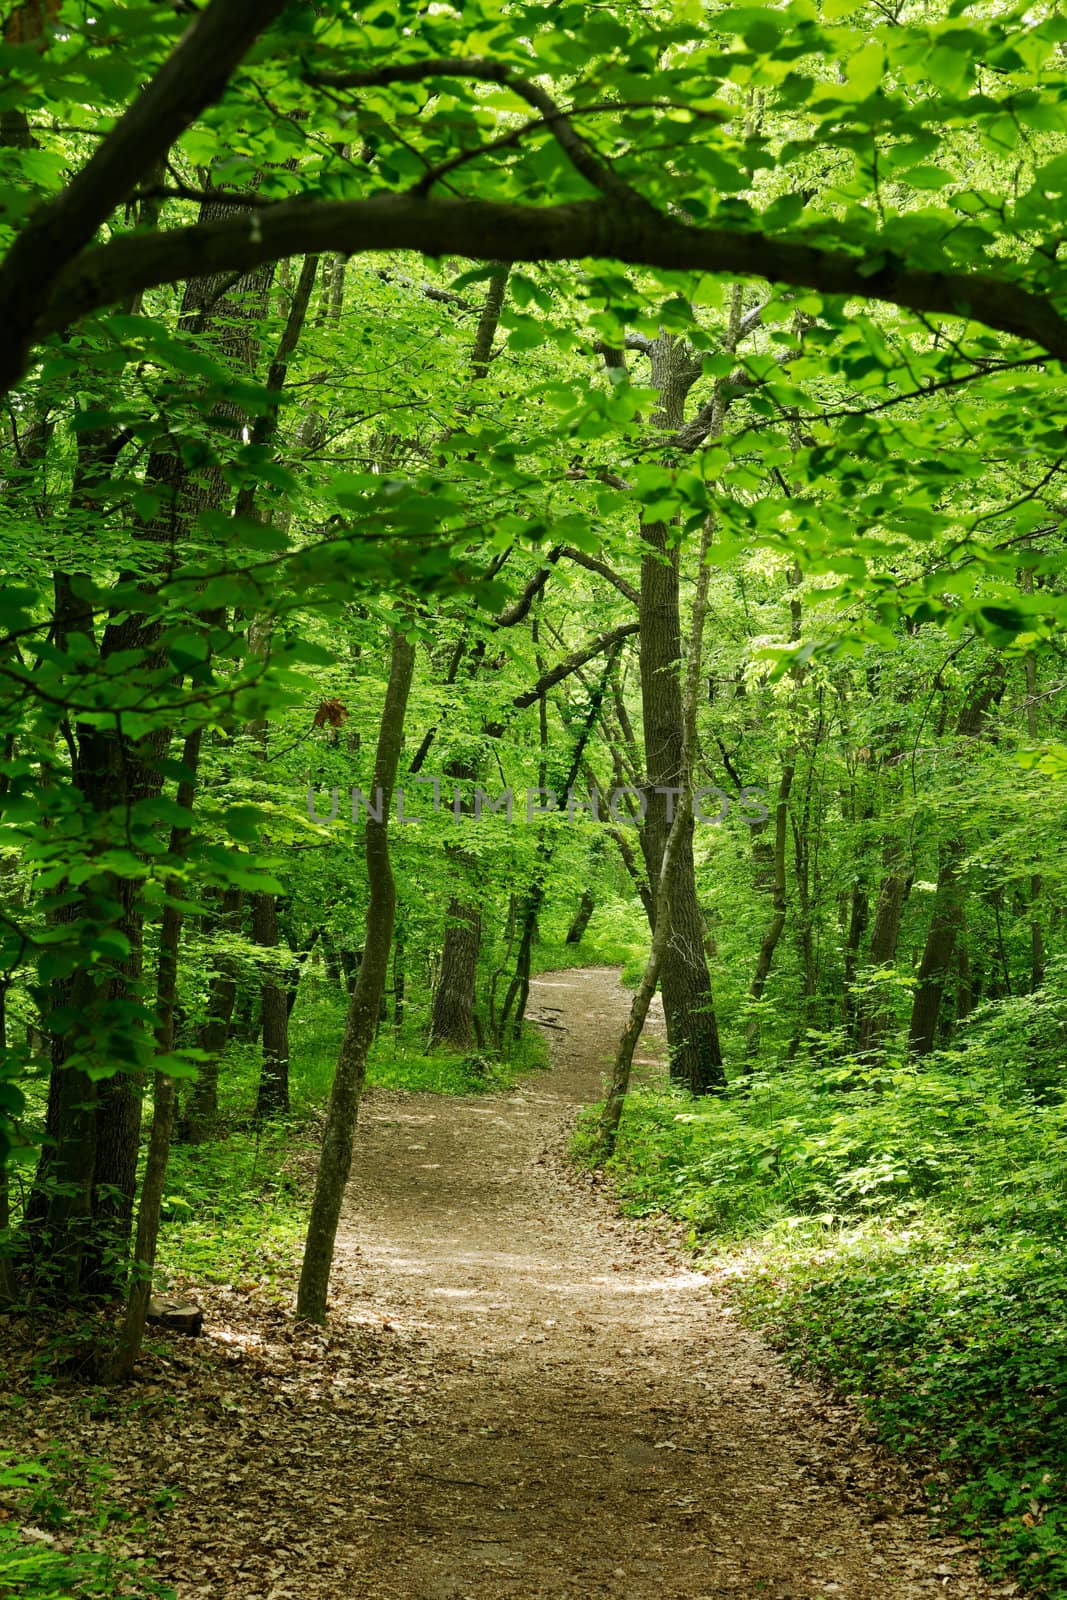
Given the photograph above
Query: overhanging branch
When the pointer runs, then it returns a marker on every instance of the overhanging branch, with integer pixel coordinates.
(193, 77)
(488, 230)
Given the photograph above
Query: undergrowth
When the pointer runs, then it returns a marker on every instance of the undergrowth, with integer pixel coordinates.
(899, 1228)
(617, 936)
(50, 1552)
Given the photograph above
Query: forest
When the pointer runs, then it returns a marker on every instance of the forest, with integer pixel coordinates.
(533, 782)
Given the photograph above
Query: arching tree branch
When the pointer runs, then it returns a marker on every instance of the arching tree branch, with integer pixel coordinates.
(193, 77)
(488, 230)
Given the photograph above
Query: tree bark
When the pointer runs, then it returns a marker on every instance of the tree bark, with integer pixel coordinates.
(81, 281)
(873, 1012)
(192, 77)
(580, 921)
(519, 989)
(453, 1004)
(769, 942)
(945, 923)
(365, 1003)
(688, 1003)
(165, 1099)
(452, 1019)
(611, 1116)
(202, 1114)
(1037, 932)
(950, 898)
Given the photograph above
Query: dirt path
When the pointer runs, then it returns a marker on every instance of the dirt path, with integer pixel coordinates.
(518, 1396)
(596, 1423)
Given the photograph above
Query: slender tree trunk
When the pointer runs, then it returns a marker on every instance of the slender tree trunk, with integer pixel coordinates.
(950, 899)
(634, 869)
(365, 1004)
(769, 942)
(688, 1003)
(300, 965)
(681, 824)
(202, 1115)
(165, 1099)
(399, 949)
(580, 921)
(519, 989)
(945, 923)
(805, 918)
(873, 1013)
(272, 1098)
(452, 1017)
(964, 984)
(1037, 933)
(332, 960)
(692, 1026)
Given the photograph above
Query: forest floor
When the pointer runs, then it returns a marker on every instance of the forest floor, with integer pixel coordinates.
(520, 1395)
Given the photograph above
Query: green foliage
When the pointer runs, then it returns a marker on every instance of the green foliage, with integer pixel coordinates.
(899, 1229)
(198, 549)
(446, 1072)
(49, 1553)
(236, 1209)
(617, 936)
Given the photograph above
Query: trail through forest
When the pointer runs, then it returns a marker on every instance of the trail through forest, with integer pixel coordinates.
(598, 1422)
(519, 1395)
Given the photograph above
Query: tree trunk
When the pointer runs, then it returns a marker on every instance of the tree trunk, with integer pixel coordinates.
(519, 988)
(692, 1027)
(936, 962)
(331, 960)
(681, 824)
(399, 947)
(453, 1006)
(873, 1012)
(452, 1019)
(586, 907)
(769, 942)
(950, 898)
(365, 1004)
(202, 1114)
(688, 1003)
(1037, 933)
(155, 1174)
(859, 916)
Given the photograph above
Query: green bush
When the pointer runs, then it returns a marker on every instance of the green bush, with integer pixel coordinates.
(899, 1229)
(41, 1558)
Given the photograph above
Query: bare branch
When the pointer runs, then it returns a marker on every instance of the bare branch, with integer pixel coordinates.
(591, 564)
(578, 658)
(580, 154)
(520, 607)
